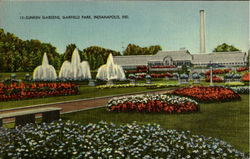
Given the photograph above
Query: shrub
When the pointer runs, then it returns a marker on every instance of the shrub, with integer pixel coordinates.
(229, 76)
(196, 76)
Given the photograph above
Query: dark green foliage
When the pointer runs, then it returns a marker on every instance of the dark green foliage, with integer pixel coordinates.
(17, 55)
(225, 48)
(97, 56)
(68, 53)
(133, 49)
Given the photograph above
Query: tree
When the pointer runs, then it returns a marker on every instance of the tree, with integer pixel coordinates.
(225, 48)
(97, 56)
(8, 61)
(99, 61)
(69, 51)
(133, 49)
(20, 55)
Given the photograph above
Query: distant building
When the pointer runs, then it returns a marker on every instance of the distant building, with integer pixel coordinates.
(236, 58)
(182, 57)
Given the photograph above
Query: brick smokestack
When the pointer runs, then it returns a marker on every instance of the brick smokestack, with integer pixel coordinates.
(202, 32)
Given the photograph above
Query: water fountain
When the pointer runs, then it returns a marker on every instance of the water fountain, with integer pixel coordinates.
(75, 70)
(45, 72)
(110, 71)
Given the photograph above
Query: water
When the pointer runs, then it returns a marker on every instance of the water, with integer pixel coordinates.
(110, 71)
(45, 72)
(75, 70)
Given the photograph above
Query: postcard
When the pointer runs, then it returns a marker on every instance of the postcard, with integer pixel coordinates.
(124, 79)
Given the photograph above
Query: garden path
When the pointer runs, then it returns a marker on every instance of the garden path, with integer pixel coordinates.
(76, 105)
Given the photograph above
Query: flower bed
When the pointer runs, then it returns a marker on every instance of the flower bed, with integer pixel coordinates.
(35, 90)
(240, 90)
(144, 68)
(157, 86)
(227, 70)
(150, 86)
(154, 75)
(140, 75)
(139, 69)
(105, 140)
(215, 79)
(207, 94)
(153, 103)
(219, 71)
(169, 66)
(234, 84)
(246, 77)
(240, 69)
(131, 71)
(215, 71)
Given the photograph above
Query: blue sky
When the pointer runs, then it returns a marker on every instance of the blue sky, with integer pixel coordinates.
(172, 25)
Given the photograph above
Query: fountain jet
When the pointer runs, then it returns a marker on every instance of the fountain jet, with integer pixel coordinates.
(75, 70)
(110, 71)
(45, 72)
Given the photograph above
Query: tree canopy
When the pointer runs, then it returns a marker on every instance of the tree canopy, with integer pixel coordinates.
(68, 52)
(225, 48)
(97, 56)
(133, 49)
(19, 55)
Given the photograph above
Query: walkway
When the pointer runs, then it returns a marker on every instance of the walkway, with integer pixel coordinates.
(77, 105)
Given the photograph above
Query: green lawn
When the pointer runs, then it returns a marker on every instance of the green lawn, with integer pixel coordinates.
(90, 92)
(85, 92)
(228, 121)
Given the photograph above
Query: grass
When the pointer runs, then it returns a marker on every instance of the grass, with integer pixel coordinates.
(91, 92)
(85, 92)
(228, 121)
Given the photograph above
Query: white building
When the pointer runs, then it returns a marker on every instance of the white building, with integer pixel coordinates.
(183, 57)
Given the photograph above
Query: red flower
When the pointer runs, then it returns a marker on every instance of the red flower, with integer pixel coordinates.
(215, 79)
(35, 90)
(155, 106)
(246, 77)
(240, 69)
(207, 93)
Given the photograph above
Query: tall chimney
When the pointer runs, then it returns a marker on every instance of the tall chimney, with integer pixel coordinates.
(202, 32)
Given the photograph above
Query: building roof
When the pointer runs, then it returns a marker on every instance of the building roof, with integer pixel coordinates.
(143, 59)
(182, 55)
(132, 60)
(219, 57)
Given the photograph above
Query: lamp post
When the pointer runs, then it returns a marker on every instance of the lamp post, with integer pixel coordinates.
(211, 74)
